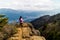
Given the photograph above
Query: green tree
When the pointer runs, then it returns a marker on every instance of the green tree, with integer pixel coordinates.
(3, 20)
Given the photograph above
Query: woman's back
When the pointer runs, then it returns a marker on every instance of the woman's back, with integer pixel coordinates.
(21, 20)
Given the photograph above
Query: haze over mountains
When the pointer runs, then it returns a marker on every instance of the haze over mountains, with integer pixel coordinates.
(28, 15)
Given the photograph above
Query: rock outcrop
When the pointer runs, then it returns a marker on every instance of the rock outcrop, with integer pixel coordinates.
(26, 33)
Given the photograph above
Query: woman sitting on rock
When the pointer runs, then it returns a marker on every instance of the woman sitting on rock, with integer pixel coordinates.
(21, 20)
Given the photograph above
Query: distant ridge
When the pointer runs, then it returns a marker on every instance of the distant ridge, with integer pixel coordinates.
(14, 14)
(43, 20)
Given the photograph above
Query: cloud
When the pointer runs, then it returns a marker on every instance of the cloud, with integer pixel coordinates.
(27, 4)
(56, 4)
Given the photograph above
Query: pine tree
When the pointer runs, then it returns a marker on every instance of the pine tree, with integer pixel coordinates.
(3, 20)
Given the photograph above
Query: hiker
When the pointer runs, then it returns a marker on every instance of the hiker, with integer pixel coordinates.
(21, 20)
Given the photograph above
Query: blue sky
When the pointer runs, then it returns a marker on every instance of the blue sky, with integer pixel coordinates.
(30, 4)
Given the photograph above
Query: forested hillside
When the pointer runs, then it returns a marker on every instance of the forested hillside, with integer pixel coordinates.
(49, 26)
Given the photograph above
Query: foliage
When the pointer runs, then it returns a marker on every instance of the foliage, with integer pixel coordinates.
(6, 29)
(3, 20)
(52, 31)
(9, 30)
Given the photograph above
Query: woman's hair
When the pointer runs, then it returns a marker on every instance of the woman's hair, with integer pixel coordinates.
(20, 16)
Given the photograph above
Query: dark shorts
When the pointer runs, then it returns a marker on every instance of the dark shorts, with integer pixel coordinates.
(21, 24)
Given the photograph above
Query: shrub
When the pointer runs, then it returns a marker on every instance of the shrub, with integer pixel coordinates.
(8, 30)
(52, 31)
(3, 20)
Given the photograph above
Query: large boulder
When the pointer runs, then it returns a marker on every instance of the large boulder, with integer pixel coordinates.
(37, 38)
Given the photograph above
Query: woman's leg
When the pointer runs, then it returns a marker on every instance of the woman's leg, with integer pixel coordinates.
(21, 24)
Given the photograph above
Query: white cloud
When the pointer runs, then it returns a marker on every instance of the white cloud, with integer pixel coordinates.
(27, 4)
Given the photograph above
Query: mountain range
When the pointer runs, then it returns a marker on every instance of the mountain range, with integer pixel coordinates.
(27, 15)
(49, 26)
(44, 20)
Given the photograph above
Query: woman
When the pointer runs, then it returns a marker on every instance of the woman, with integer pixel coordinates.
(21, 20)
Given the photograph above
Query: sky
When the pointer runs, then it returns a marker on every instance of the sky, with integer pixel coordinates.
(30, 4)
